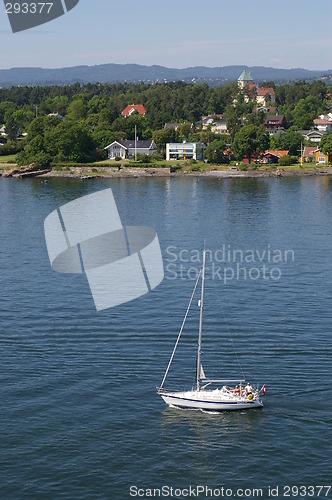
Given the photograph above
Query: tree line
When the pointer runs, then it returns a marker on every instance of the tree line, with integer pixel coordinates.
(93, 118)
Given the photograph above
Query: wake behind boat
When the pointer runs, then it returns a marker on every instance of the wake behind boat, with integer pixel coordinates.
(228, 397)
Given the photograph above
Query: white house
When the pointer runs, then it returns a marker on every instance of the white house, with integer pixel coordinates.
(323, 124)
(220, 126)
(126, 149)
(312, 135)
(56, 115)
(265, 95)
(3, 131)
(184, 151)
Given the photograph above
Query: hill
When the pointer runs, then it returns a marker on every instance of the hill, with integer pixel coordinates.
(114, 73)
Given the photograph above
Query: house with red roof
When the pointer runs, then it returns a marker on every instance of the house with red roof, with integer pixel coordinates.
(273, 155)
(309, 154)
(323, 124)
(253, 92)
(265, 95)
(134, 108)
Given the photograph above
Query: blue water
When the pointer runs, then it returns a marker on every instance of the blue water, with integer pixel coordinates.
(79, 416)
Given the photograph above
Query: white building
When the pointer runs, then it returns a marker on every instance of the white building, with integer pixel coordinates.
(323, 124)
(184, 151)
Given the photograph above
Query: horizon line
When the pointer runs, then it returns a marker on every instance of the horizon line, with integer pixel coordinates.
(166, 67)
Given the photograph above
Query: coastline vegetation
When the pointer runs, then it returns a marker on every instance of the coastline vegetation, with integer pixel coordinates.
(37, 133)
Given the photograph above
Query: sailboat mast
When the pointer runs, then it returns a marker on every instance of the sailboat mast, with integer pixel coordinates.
(198, 368)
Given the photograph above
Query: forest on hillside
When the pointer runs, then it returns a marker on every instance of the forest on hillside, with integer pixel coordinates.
(93, 118)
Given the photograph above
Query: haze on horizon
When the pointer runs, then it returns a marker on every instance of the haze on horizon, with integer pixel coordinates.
(177, 34)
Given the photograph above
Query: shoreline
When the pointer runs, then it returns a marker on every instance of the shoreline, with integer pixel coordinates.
(88, 172)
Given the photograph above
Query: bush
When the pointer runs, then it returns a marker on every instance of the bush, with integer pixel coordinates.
(42, 160)
(117, 158)
(11, 148)
(142, 158)
(157, 157)
(285, 161)
(195, 168)
(243, 166)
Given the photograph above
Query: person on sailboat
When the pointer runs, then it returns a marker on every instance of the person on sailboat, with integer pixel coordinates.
(248, 389)
(236, 391)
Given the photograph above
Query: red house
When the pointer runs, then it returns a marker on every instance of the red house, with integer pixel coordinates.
(134, 108)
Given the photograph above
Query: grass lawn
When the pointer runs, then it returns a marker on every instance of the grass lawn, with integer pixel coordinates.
(8, 159)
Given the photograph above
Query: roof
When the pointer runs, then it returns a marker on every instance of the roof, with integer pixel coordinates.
(263, 91)
(274, 118)
(309, 151)
(171, 125)
(134, 107)
(57, 115)
(218, 115)
(183, 144)
(245, 76)
(131, 144)
(276, 152)
(311, 132)
(321, 121)
(272, 110)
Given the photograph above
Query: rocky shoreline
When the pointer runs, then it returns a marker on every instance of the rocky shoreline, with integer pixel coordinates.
(88, 172)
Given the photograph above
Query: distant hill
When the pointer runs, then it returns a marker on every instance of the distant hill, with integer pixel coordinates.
(114, 73)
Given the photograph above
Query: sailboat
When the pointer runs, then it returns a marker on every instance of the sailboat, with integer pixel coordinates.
(202, 396)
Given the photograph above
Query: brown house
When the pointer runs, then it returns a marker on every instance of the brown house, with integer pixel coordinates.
(274, 124)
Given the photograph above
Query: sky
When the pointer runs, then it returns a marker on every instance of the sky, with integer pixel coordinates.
(177, 34)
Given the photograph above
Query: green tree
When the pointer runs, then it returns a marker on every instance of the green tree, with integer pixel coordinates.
(215, 152)
(325, 144)
(162, 137)
(233, 120)
(304, 112)
(69, 142)
(76, 110)
(51, 138)
(127, 124)
(290, 140)
(11, 128)
(184, 131)
(250, 140)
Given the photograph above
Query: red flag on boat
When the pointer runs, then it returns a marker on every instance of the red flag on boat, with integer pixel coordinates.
(263, 389)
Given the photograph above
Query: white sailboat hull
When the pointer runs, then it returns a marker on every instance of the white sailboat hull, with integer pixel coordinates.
(210, 400)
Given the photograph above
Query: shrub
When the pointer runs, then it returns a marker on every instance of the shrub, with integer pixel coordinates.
(243, 166)
(11, 148)
(142, 158)
(285, 161)
(42, 160)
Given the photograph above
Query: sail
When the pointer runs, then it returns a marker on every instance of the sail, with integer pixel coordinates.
(202, 374)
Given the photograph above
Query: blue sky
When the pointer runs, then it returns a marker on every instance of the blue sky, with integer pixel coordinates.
(177, 33)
